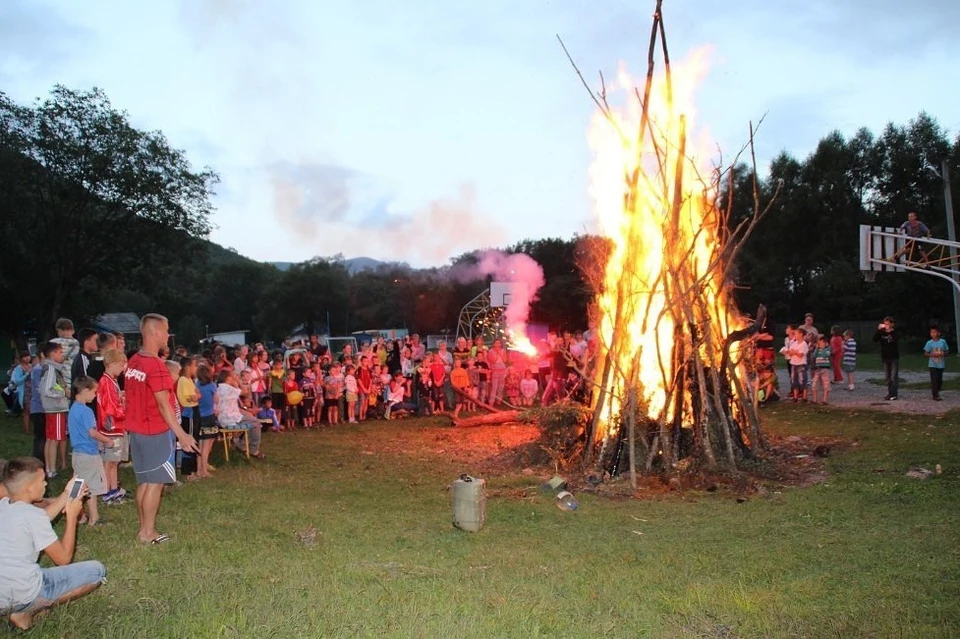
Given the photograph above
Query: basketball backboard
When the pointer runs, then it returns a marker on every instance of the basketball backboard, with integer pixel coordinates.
(503, 293)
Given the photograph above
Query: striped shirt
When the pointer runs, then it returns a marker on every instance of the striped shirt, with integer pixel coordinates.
(850, 352)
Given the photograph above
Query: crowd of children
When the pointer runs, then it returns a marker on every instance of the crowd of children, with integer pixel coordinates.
(304, 385)
(817, 361)
(73, 391)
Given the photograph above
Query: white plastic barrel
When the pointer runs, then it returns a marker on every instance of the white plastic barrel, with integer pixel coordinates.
(469, 503)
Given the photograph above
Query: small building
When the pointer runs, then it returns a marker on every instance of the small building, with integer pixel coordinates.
(126, 323)
(229, 338)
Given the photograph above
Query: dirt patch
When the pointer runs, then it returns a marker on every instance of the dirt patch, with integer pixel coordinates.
(869, 393)
(514, 450)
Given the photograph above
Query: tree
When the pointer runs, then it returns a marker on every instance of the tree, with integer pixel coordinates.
(233, 293)
(308, 294)
(87, 200)
(563, 300)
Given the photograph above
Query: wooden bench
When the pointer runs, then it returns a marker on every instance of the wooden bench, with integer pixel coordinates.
(229, 434)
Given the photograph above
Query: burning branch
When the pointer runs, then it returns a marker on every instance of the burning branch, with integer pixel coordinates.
(669, 332)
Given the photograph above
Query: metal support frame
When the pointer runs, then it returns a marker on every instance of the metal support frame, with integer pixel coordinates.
(938, 257)
(472, 312)
(898, 252)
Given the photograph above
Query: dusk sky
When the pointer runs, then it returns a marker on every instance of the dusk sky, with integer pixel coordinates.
(417, 131)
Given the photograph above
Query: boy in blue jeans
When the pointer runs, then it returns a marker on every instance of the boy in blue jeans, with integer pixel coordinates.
(25, 531)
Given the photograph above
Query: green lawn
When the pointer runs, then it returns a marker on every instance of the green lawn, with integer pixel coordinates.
(868, 553)
(911, 362)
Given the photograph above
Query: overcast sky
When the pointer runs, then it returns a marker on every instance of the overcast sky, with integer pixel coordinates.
(419, 130)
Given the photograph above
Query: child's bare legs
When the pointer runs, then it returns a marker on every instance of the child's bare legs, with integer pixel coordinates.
(850, 381)
(363, 407)
(813, 387)
(203, 464)
(110, 470)
(50, 455)
(93, 512)
(825, 382)
(352, 412)
(62, 453)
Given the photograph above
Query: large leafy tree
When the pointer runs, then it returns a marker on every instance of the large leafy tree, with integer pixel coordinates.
(804, 254)
(562, 302)
(90, 204)
(310, 295)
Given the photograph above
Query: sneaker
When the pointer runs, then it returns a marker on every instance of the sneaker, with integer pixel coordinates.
(892, 398)
(51, 474)
(850, 387)
(937, 398)
(109, 496)
(121, 493)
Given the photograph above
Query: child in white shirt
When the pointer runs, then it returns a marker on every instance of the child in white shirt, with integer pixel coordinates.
(231, 416)
(528, 389)
(795, 350)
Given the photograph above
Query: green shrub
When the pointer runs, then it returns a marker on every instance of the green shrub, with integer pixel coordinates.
(562, 431)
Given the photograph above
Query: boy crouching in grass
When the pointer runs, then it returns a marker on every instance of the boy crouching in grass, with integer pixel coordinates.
(85, 440)
(25, 588)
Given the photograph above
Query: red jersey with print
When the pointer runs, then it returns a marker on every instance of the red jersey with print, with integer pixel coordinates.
(437, 371)
(364, 380)
(145, 376)
(110, 414)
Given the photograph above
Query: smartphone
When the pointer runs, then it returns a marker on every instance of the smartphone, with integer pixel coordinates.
(76, 488)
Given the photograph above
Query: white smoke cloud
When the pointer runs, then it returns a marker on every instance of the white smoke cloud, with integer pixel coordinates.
(335, 209)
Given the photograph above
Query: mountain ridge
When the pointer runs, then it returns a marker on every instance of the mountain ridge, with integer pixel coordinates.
(354, 264)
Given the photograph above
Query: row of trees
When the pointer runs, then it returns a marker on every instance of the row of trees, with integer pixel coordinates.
(804, 256)
(99, 216)
(322, 294)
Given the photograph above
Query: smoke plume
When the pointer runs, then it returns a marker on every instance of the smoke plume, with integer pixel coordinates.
(526, 276)
(338, 210)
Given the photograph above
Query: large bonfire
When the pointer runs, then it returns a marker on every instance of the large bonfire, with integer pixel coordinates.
(671, 380)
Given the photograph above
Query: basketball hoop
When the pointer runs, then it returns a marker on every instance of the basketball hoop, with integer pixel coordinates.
(869, 276)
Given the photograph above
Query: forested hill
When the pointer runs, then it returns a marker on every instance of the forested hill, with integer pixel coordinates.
(118, 221)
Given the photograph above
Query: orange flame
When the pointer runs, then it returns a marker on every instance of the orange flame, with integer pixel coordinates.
(650, 244)
(520, 342)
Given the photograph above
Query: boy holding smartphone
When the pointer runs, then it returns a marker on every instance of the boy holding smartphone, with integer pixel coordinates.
(25, 531)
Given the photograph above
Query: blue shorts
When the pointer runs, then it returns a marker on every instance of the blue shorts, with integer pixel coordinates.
(60, 580)
(153, 458)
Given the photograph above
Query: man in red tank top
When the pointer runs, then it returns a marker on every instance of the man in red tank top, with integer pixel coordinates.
(150, 420)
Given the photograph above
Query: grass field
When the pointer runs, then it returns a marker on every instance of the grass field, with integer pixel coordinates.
(867, 553)
(912, 362)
